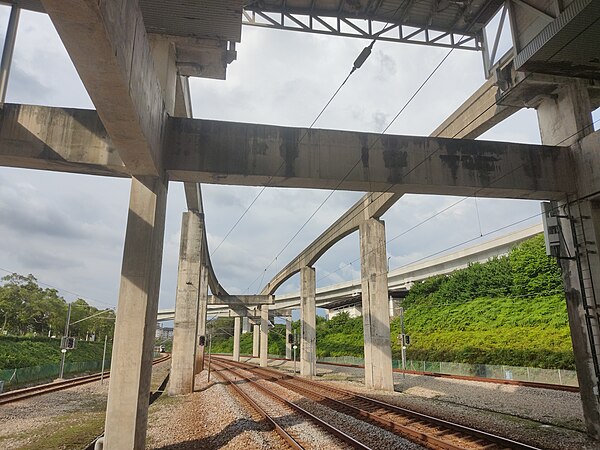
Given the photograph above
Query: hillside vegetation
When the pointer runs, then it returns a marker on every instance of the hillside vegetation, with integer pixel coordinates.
(17, 352)
(509, 310)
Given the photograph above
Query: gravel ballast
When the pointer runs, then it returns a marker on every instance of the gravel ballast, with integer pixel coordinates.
(210, 418)
(540, 417)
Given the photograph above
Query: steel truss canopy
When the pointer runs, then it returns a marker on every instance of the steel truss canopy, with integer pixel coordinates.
(444, 23)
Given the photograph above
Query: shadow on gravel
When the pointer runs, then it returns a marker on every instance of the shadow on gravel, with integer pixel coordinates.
(222, 438)
(208, 386)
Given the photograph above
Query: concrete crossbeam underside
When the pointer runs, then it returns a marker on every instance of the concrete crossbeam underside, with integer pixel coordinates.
(376, 318)
(308, 322)
(109, 46)
(198, 150)
(183, 357)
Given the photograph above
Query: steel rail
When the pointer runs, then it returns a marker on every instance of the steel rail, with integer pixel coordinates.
(532, 384)
(319, 422)
(379, 409)
(22, 394)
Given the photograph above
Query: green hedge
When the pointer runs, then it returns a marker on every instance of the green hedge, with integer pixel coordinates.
(17, 352)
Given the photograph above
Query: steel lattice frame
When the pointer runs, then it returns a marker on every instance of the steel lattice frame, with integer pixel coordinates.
(361, 28)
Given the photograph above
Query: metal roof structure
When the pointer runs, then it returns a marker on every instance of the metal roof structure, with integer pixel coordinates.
(446, 23)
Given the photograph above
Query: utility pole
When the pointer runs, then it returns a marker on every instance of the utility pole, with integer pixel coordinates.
(103, 360)
(294, 347)
(209, 355)
(403, 342)
(64, 350)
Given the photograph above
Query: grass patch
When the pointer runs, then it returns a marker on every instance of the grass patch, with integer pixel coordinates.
(72, 432)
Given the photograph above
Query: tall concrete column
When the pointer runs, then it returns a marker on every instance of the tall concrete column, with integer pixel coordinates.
(245, 325)
(237, 322)
(264, 335)
(288, 344)
(375, 306)
(308, 322)
(183, 357)
(563, 120)
(255, 340)
(131, 366)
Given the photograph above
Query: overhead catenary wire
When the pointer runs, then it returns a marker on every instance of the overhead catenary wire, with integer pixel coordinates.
(458, 202)
(465, 126)
(434, 151)
(357, 65)
(335, 189)
(438, 252)
(358, 62)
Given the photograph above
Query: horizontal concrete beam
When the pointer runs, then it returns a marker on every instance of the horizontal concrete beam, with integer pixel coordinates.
(248, 154)
(60, 139)
(587, 159)
(241, 300)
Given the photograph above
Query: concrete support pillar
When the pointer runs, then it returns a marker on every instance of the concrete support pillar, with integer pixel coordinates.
(308, 322)
(237, 322)
(264, 335)
(131, 367)
(183, 357)
(245, 325)
(375, 306)
(165, 66)
(563, 120)
(202, 310)
(255, 340)
(288, 344)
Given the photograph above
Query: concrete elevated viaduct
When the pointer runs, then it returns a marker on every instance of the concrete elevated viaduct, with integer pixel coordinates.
(400, 280)
(139, 52)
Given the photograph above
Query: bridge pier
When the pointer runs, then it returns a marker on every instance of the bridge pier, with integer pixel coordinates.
(308, 322)
(131, 366)
(183, 357)
(375, 306)
(236, 338)
(202, 311)
(245, 325)
(564, 120)
(255, 340)
(288, 344)
(264, 335)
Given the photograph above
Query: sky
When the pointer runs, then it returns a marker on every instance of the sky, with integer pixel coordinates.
(68, 230)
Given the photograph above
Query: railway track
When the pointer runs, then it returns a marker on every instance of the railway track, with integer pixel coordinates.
(533, 384)
(283, 415)
(22, 394)
(428, 431)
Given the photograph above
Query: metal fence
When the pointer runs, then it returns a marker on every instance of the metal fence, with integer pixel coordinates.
(535, 374)
(24, 375)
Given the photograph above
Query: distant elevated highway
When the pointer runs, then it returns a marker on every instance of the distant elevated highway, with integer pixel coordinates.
(337, 297)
